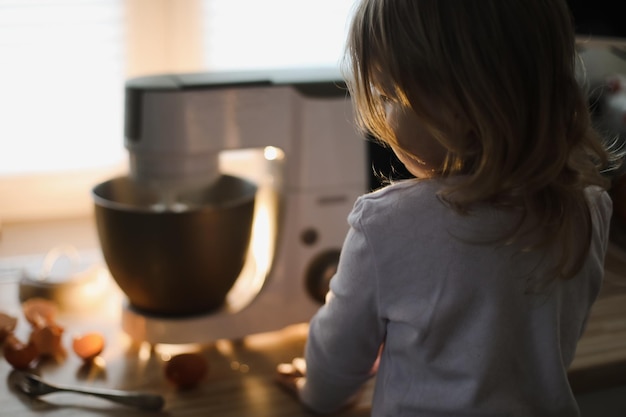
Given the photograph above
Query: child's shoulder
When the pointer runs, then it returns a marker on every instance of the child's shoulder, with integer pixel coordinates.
(407, 196)
(403, 189)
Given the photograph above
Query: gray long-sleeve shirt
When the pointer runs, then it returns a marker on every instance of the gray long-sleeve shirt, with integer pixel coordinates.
(464, 333)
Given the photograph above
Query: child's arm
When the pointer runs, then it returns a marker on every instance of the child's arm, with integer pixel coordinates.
(292, 376)
(345, 336)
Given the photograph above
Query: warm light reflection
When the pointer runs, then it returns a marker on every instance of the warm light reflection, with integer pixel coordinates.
(145, 351)
(272, 153)
(263, 167)
(227, 350)
(93, 370)
(104, 289)
(225, 347)
(167, 351)
(99, 362)
(96, 287)
(264, 230)
(240, 367)
(275, 339)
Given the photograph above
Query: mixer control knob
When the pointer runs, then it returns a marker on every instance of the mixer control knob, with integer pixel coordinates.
(309, 236)
(321, 269)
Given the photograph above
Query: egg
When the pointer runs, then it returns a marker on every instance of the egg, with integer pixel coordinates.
(88, 346)
(186, 370)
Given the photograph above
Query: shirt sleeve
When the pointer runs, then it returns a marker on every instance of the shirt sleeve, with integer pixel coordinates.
(346, 333)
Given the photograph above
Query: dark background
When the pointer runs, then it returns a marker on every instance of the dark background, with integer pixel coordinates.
(602, 18)
(596, 18)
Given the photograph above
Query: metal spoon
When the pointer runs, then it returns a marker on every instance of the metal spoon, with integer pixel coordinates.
(35, 386)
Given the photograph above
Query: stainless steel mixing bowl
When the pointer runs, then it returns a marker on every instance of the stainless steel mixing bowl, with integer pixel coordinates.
(174, 263)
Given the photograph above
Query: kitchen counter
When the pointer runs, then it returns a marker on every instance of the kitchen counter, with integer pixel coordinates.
(241, 376)
(240, 381)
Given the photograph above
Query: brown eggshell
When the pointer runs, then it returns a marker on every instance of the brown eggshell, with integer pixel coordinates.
(186, 370)
(88, 346)
(18, 354)
(47, 340)
(39, 311)
(7, 325)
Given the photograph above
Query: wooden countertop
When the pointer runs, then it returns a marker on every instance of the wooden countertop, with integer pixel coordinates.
(240, 380)
(241, 377)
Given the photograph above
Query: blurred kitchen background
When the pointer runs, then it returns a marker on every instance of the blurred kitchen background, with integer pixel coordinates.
(64, 62)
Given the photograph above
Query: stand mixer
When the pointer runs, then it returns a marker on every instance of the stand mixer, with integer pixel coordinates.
(233, 214)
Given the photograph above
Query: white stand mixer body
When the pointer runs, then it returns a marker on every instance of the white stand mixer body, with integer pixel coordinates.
(325, 170)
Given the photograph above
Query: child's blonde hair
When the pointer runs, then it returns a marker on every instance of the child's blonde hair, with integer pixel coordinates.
(495, 83)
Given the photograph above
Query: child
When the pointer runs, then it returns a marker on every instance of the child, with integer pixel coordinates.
(467, 288)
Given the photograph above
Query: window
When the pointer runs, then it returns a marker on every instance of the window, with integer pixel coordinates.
(55, 58)
(64, 63)
(242, 34)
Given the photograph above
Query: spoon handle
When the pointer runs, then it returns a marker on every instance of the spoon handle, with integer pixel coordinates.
(152, 402)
